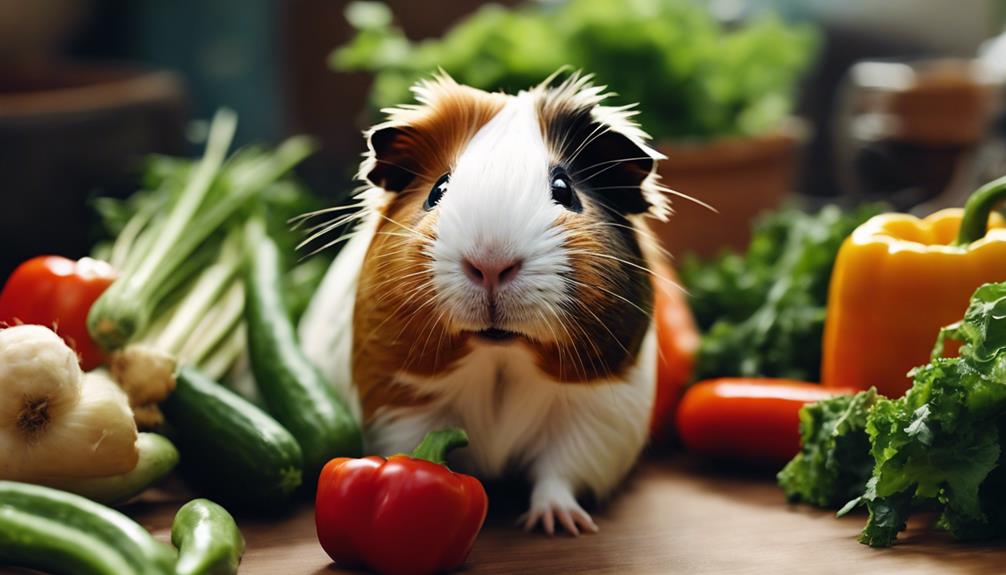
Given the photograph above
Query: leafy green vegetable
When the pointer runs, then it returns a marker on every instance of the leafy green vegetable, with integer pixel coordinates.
(834, 463)
(940, 444)
(762, 312)
(178, 248)
(694, 78)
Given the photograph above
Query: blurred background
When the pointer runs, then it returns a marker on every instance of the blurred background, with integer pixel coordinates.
(756, 102)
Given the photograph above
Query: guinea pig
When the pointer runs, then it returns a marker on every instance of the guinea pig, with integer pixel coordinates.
(499, 280)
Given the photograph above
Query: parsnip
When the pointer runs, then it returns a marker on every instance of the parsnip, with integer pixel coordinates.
(54, 419)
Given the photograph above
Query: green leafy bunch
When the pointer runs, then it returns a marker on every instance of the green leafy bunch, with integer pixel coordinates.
(693, 78)
(762, 312)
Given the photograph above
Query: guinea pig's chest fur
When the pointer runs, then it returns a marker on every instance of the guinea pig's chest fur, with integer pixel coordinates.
(513, 411)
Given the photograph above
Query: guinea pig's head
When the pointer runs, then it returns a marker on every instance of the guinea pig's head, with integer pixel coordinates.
(514, 220)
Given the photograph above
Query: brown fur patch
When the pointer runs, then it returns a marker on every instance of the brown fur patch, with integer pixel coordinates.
(612, 301)
(612, 293)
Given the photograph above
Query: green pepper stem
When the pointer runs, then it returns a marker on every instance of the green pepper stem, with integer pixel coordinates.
(977, 210)
(437, 443)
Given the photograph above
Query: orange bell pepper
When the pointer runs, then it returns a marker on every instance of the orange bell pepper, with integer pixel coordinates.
(678, 342)
(899, 279)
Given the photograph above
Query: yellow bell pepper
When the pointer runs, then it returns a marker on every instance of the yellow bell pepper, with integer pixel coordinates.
(899, 279)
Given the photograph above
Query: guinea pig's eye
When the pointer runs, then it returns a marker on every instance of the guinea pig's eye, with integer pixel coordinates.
(562, 190)
(437, 192)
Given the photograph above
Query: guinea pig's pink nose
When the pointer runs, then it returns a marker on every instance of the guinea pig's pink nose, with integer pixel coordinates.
(490, 274)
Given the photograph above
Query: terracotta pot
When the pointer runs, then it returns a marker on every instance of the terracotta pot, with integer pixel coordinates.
(738, 177)
(69, 132)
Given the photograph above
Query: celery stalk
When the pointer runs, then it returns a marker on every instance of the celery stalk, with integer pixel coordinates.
(125, 308)
(164, 254)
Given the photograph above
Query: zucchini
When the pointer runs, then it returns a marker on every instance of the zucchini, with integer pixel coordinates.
(158, 456)
(207, 538)
(46, 528)
(293, 389)
(230, 446)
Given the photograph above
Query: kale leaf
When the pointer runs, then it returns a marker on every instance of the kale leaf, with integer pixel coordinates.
(834, 463)
(940, 444)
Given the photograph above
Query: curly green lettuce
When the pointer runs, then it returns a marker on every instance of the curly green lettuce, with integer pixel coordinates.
(834, 463)
(938, 445)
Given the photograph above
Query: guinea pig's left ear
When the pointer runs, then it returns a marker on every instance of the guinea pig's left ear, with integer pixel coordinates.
(390, 163)
(620, 170)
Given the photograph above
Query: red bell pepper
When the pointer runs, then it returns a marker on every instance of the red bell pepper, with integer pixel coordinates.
(58, 292)
(404, 515)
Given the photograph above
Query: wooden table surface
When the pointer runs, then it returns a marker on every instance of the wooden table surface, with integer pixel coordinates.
(674, 515)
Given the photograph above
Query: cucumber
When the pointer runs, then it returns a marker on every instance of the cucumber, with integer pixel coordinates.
(295, 392)
(35, 542)
(158, 456)
(230, 446)
(207, 538)
(46, 528)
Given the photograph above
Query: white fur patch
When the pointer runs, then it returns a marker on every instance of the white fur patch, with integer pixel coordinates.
(498, 207)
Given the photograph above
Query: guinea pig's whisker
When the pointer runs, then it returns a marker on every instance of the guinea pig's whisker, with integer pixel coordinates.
(344, 237)
(417, 233)
(555, 336)
(580, 305)
(427, 327)
(326, 228)
(611, 293)
(569, 338)
(612, 163)
(299, 220)
(665, 190)
(423, 289)
(392, 253)
(596, 133)
(407, 236)
(631, 264)
(341, 220)
(400, 279)
(429, 336)
(399, 166)
(599, 188)
(593, 344)
(641, 230)
(430, 301)
(410, 317)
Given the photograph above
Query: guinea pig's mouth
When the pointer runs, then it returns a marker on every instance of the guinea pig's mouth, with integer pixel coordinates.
(495, 334)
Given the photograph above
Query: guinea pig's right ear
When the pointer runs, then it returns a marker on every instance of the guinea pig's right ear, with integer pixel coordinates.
(390, 164)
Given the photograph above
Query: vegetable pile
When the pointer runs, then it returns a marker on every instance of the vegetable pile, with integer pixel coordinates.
(762, 313)
(938, 445)
(694, 78)
(193, 281)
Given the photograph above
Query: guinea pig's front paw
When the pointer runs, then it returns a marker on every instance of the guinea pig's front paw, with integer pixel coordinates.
(552, 502)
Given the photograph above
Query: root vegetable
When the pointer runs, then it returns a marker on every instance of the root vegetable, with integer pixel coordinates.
(56, 420)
